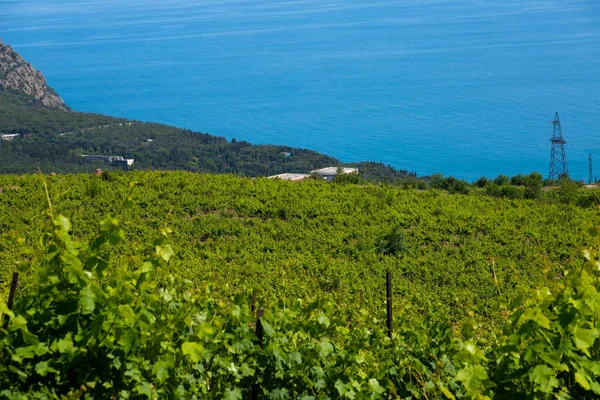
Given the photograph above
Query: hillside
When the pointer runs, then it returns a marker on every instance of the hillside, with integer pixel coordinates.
(17, 74)
(314, 238)
(492, 298)
(51, 139)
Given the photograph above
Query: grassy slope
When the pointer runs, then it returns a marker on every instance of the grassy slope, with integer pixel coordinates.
(314, 238)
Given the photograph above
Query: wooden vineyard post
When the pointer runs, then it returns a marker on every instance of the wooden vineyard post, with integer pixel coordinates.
(259, 334)
(388, 290)
(259, 328)
(11, 296)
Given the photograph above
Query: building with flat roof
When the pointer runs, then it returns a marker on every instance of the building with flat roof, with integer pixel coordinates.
(117, 160)
(9, 136)
(124, 162)
(330, 172)
(290, 177)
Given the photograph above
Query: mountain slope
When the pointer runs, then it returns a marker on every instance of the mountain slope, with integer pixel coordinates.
(50, 137)
(53, 140)
(17, 74)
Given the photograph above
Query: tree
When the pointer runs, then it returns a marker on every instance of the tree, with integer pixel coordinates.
(481, 182)
(501, 180)
(511, 192)
(533, 185)
(517, 180)
(343, 178)
(567, 191)
(454, 185)
(493, 190)
(438, 181)
(392, 243)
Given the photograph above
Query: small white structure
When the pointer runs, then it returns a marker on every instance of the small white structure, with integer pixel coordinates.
(97, 157)
(290, 177)
(330, 172)
(118, 160)
(9, 137)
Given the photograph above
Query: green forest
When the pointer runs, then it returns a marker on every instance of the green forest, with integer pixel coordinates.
(147, 285)
(52, 140)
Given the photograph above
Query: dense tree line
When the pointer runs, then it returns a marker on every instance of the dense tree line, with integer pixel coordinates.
(53, 140)
(528, 187)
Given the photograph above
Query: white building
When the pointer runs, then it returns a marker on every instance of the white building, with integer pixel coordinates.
(9, 137)
(330, 172)
(290, 177)
(124, 162)
(118, 160)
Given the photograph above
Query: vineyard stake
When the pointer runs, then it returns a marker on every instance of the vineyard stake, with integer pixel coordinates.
(13, 289)
(259, 334)
(259, 328)
(388, 287)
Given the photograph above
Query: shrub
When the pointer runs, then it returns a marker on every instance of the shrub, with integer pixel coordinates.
(502, 180)
(392, 243)
(481, 182)
(533, 185)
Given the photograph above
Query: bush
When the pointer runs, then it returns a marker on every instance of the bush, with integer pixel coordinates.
(517, 180)
(392, 243)
(343, 178)
(533, 185)
(567, 191)
(502, 180)
(589, 198)
(451, 184)
(512, 192)
(493, 190)
(481, 182)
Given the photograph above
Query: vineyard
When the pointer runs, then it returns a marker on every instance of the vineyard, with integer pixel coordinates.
(148, 285)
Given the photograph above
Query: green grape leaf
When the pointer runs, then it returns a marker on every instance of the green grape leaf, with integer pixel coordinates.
(165, 252)
(194, 350)
(579, 378)
(375, 386)
(474, 378)
(62, 223)
(128, 339)
(161, 370)
(65, 345)
(585, 338)
(87, 300)
(344, 390)
(144, 388)
(43, 368)
(267, 328)
(232, 394)
(246, 370)
(323, 320)
(446, 392)
(543, 377)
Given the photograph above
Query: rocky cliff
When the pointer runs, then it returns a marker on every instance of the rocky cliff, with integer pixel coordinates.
(17, 74)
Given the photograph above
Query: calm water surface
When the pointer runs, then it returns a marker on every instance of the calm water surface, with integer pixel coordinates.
(464, 87)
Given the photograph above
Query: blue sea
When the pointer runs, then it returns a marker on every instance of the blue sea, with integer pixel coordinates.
(462, 87)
